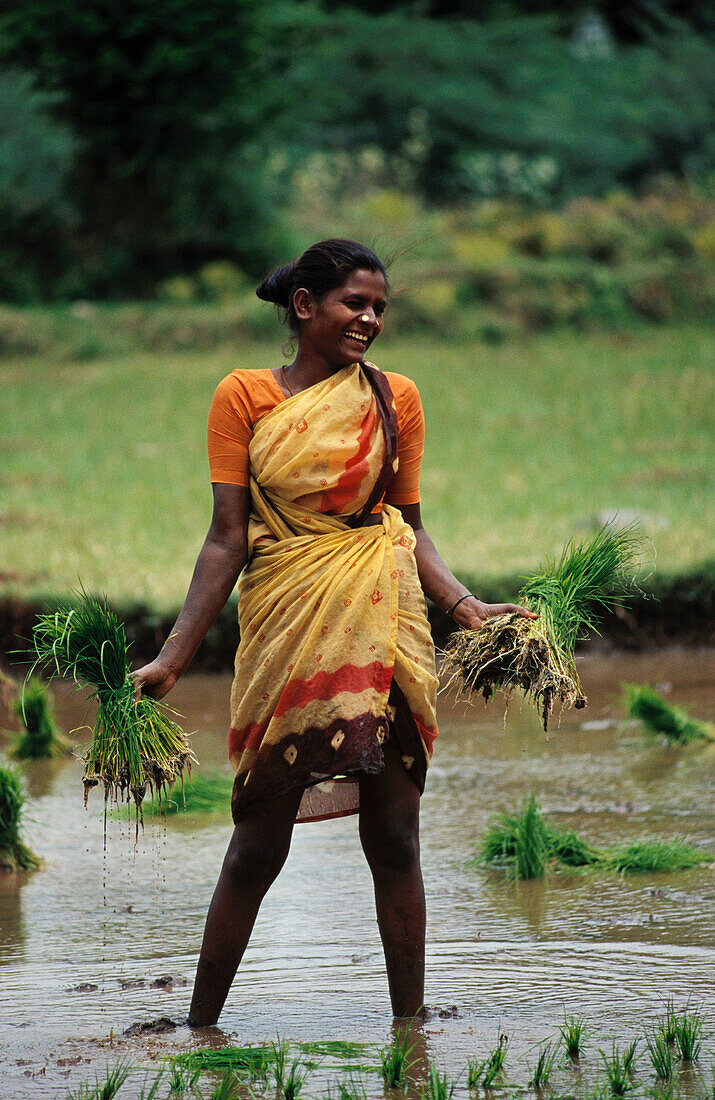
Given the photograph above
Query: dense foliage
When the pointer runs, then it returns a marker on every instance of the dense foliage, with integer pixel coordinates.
(173, 130)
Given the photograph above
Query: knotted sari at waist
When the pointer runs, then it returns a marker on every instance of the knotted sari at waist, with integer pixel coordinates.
(335, 652)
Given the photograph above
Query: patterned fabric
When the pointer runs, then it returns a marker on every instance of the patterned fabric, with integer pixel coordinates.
(336, 652)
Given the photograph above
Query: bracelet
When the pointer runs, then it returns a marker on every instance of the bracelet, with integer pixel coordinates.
(456, 605)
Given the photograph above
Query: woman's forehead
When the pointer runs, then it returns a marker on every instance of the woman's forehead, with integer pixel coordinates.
(370, 283)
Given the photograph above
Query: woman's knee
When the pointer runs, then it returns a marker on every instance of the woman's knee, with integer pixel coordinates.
(392, 847)
(253, 863)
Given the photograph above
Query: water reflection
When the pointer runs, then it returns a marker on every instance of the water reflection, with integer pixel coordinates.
(510, 956)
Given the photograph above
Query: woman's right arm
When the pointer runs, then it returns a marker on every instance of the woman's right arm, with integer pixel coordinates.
(221, 559)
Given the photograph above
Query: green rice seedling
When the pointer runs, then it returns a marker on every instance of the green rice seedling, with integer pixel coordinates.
(572, 1032)
(395, 1060)
(482, 1074)
(135, 745)
(674, 723)
(334, 1048)
(439, 1086)
(151, 1091)
(629, 1056)
(689, 1034)
(226, 1088)
(106, 1089)
(292, 1079)
(544, 1066)
(668, 1025)
(537, 656)
(653, 856)
(252, 1062)
(660, 1053)
(352, 1089)
(618, 1073)
(182, 1078)
(519, 840)
(40, 738)
(14, 853)
(567, 848)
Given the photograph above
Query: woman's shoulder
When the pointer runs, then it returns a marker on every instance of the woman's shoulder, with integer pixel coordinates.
(246, 381)
(248, 394)
(404, 390)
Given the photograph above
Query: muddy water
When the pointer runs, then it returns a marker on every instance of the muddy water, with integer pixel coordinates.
(88, 944)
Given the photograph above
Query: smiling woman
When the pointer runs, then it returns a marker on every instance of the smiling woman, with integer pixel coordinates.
(315, 468)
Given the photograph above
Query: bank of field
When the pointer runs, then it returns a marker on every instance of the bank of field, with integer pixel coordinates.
(104, 474)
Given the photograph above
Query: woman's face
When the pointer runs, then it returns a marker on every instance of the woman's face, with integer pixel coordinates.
(342, 325)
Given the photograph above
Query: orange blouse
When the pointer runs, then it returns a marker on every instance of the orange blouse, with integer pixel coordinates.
(244, 396)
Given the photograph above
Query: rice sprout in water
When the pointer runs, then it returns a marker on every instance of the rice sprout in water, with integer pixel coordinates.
(135, 744)
(40, 738)
(527, 844)
(673, 723)
(537, 656)
(14, 853)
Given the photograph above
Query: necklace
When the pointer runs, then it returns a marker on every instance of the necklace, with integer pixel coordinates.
(285, 382)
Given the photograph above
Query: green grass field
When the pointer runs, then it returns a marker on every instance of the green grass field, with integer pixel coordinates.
(104, 475)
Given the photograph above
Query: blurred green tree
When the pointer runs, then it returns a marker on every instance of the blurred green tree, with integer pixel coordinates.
(35, 158)
(150, 88)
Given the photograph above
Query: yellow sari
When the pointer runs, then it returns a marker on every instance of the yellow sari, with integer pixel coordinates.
(335, 653)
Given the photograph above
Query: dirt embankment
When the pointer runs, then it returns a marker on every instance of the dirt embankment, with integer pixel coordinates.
(678, 610)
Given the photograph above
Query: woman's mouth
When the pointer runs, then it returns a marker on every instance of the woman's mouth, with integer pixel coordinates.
(359, 337)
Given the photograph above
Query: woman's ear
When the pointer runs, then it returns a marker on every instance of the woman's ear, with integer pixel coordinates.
(303, 304)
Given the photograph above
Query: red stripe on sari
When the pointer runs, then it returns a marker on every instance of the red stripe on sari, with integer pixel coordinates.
(325, 685)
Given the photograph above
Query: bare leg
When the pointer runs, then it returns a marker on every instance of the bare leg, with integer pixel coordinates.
(389, 833)
(257, 851)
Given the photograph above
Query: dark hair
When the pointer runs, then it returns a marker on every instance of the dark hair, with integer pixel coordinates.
(322, 267)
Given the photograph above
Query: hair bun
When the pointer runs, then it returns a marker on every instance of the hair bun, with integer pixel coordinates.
(277, 286)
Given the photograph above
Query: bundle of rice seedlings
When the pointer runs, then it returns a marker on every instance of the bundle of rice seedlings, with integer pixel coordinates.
(527, 844)
(14, 854)
(135, 745)
(653, 856)
(40, 739)
(537, 655)
(650, 708)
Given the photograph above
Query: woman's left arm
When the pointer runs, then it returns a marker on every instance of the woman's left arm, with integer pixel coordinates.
(443, 588)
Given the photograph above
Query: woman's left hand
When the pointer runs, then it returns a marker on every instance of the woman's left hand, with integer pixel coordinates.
(472, 613)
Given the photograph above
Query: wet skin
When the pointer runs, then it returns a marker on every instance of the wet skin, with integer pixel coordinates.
(389, 803)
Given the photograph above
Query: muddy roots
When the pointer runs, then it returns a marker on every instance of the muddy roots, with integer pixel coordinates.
(512, 652)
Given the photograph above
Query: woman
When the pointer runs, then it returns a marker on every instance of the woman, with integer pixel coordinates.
(315, 472)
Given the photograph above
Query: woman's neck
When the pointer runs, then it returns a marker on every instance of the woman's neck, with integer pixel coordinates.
(308, 368)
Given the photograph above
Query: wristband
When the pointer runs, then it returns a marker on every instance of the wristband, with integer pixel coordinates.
(456, 605)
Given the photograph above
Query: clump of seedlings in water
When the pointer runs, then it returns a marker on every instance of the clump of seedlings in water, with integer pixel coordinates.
(660, 719)
(669, 1023)
(537, 656)
(14, 853)
(289, 1078)
(527, 844)
(619, 1068)
(544, 1066)
(40, 738)
(395, 1060)
(251, 1062)
(106, 1089)
(350, 1090)
(182, 1078)
(135, 744)
(572, 1032)
(482, 1074)
(439, 1086)
(646, 856)
(660, 1053)
(689, 1034)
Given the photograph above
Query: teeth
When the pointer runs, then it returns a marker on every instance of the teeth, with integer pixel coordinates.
(357, 336)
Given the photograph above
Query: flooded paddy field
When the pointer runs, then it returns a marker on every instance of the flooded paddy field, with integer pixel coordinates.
(101, 940)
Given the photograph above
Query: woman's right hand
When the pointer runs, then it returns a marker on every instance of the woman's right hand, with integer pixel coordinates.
(156, 679)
